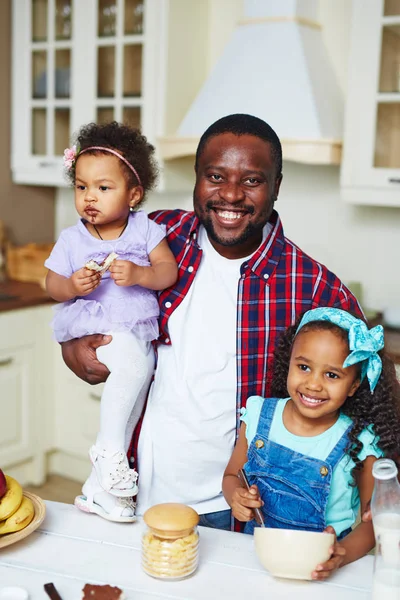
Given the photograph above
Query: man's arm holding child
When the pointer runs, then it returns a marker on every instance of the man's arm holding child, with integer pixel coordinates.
(80, 356)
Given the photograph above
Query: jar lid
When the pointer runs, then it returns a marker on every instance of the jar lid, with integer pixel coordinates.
(171, 517)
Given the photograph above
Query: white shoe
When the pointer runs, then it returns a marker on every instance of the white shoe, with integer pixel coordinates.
(113, 472)
(122, 512)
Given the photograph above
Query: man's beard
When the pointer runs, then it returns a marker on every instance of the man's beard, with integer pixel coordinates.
(251, 230)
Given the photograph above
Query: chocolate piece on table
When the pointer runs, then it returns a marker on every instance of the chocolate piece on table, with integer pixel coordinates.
(102, 592)
(51, 591)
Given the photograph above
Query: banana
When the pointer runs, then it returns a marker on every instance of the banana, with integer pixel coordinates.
(20, 519)
(12, 499)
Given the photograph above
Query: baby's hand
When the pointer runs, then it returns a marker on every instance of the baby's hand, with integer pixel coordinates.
(125, 272)
(84, 281)
(244, 501)
(324, 570)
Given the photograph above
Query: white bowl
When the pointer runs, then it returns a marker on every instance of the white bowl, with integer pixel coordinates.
(291, 553)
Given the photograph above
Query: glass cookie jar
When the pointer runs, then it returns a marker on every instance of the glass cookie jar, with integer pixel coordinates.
(170, 544)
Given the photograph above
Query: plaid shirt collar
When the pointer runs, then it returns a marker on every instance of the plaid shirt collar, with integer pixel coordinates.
(266, 258)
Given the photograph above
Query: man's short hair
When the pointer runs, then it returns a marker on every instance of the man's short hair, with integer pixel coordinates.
(242, 124)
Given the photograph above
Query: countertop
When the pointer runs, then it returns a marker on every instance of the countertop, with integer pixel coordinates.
(17, 294)
(72, 548)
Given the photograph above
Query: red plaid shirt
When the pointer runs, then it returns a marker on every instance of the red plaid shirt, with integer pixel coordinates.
(278, 283)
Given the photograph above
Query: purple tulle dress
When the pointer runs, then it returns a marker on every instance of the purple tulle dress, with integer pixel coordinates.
(110, 307)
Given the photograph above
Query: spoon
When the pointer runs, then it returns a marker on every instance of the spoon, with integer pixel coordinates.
(256, 511)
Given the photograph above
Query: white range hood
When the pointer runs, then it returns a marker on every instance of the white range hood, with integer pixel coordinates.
(275, 67)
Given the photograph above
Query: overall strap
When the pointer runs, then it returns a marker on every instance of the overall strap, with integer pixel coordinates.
(266, 416)
(339, 450)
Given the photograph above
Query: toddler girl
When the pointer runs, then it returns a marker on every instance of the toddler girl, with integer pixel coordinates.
(111, 168)
(308, 451)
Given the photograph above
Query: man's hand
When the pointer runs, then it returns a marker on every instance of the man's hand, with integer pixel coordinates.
(83, 282)
(80, 356)
(125, 272)
(244, 501)
(325, 570)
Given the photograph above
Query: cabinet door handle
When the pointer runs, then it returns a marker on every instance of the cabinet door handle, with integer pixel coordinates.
(47, 164)
(394, 180)
(5, 362)
(95, 396)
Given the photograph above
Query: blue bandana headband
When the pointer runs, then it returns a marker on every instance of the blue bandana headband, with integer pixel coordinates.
(364, 343)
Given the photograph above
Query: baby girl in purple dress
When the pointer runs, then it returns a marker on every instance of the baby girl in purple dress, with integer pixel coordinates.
(105, 270)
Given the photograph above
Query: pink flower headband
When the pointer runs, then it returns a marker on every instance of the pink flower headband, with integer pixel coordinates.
(71, 154)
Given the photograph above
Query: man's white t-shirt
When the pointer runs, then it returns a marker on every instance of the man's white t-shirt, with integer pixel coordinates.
(188, 431)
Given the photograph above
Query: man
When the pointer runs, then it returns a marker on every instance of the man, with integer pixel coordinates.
(241, 283)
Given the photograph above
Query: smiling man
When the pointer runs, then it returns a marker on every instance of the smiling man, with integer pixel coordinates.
(241, 283)
(237, 183)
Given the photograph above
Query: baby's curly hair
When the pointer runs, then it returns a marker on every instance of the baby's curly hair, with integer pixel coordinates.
(127, 141)
(380, 409)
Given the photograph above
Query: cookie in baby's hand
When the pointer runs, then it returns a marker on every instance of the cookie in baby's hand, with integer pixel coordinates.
(92, 265)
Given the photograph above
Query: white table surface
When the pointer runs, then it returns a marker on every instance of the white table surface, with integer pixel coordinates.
(72, 548)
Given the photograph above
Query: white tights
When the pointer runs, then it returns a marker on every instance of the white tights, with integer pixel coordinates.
(130, 362)
(131, 365)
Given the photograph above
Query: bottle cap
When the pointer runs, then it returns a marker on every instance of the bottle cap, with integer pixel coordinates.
(384, 469)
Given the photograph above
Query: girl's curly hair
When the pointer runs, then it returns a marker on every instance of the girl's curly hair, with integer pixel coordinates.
(127, 141)
(380, 409)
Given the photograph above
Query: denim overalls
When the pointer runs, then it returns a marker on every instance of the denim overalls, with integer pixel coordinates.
(294, 487)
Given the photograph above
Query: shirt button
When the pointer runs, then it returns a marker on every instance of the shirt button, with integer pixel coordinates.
(167, 340)
(259, 444)
(190, 269)
(324, 471)
(168, 305)
(266, 276)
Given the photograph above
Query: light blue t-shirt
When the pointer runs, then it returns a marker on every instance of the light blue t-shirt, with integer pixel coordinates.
(343, 500)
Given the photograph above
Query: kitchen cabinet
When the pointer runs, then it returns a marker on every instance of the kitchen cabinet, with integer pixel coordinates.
(75, 62)
(371, 153)
(76, 421)
(26, 383)
(392, 345)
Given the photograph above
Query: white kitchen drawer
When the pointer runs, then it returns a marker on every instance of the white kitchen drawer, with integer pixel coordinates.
(26, 375)
(77, 418)
(16, 406)
(17, 328)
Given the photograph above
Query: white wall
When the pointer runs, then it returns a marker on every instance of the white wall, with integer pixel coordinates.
(357, 243)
